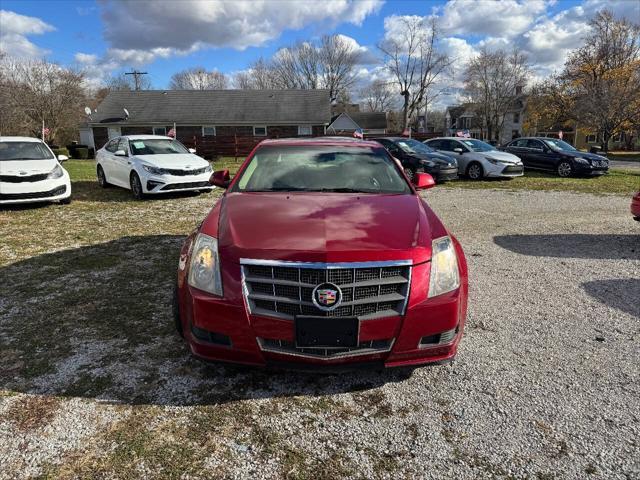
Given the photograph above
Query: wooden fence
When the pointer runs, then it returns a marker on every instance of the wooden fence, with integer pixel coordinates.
(241, 145)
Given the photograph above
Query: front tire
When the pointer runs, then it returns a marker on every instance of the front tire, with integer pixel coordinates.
(136, 186)
(564, 169)
(475, 171)
(102, 178)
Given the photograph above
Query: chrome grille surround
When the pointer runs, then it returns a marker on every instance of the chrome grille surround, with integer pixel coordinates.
(283, 347)
(283, 289)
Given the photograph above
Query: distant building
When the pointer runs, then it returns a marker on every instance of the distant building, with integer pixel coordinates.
(373, 123)
(464, 117)
(208, 113)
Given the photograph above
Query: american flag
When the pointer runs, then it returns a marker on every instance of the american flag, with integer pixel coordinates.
(463, 134)
(560, 134)
(406, 132)
(172, 133)
(359, 134)
(46, 132)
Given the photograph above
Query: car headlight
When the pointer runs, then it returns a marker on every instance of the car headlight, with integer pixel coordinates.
(427, 163)
(153, 170)
(208, 169)
(581, 160)
(204, 269)
(493, 161)
(56, 172)
(445, 276)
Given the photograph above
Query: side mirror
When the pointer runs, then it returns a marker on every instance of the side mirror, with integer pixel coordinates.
(220, 178)
(459, 150)
(120, 153)
(62, 158)
(422, 181)
(192, 150)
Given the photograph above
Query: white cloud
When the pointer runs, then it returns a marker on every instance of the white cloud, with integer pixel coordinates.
(506, 18)
(14, 29)
(135, 25)
(365, 55)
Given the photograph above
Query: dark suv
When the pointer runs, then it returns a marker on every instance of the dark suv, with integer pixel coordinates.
(415, 157)
(553, 154)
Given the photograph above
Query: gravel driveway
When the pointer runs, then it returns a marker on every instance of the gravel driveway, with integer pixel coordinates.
(546, 383)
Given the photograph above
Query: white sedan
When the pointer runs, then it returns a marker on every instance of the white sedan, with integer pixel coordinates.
(478, 159)
(30, 172)
(151, 164)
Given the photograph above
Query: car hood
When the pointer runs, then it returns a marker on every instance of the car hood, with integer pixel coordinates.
(436, 157)
(321, 227)
(174, 160)
(30, 167)
(502, 156)
(586, 155)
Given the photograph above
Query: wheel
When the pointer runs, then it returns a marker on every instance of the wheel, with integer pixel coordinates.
(409, 172)
(474, 171)
(136, 186)
(175, 308)
(102, 179)
(564, 169)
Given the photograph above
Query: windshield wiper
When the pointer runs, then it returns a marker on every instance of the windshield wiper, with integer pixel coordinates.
(279, 189)
(343, 190)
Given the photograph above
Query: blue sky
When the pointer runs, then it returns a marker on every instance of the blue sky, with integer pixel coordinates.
(166, 36)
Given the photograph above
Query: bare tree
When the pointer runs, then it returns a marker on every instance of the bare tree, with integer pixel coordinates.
(198, 78)
(126, 82)
(259, 76)
(602, 79)
(35, 91)
(415, 62)
(338, 59)
(491, 81)
(377, 96)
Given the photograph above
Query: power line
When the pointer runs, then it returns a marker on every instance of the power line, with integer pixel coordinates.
(136, 77)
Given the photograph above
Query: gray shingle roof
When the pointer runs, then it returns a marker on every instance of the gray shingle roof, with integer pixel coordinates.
(370, 120)
(216, 107)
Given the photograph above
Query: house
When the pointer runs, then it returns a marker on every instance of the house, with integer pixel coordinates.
(464, 117)
(208, 113)
(373, 123)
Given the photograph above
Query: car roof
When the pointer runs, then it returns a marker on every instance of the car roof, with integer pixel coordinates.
(20, 139)
(327, 141)
(393, 139)
(451, 138)
(146, 137)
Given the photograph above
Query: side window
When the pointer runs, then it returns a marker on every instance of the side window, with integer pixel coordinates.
(112, 146)
(534, 144)
(449, 145)
(435, 144)
(521, 143)
(123, 145)
(392, 147)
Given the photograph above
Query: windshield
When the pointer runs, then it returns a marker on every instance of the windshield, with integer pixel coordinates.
(413, 146)
(156, 147)
(24, 151)
(478, 146)
(559, 144)
(321, 169)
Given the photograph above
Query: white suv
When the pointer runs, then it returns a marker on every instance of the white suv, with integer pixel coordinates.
(151, 164)
(30, 172)
(478, 159)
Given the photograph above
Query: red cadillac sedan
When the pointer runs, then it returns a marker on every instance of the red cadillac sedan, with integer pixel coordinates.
(321, 253)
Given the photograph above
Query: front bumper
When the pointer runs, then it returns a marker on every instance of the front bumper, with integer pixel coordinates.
(222, 329)
(32, 192)
(502, 170)
(443, 174)
(590, 170)
(153, 184)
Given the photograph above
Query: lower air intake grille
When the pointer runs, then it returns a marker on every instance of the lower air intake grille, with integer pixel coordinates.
(369, 347)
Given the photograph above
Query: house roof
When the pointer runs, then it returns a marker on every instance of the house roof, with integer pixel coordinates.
(215, 107)
(364, 120)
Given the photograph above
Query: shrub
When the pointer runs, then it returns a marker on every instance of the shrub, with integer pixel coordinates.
(60, 151)
(81, 152)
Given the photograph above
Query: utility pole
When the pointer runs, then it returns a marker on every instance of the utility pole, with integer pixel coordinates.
(136, 77)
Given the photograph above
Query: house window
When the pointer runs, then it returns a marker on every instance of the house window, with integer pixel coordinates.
(516, 117)
(208, 131)
(591, 138)
(160, 131)
(260, 131)
(518, 89)
(304, 131)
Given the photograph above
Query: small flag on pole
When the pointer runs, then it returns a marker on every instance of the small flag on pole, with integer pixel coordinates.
(45, 132)
(172, 133)
(407, 132)
(359, 134)
(560, 134)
